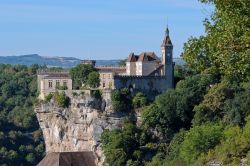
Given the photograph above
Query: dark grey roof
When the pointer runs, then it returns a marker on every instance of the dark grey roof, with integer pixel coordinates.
(116, 70)
(60, 75)
(167, 42)
(144, 56)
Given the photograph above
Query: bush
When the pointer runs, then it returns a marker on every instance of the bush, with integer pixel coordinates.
(62, 100)
(62, 87)
(199, 140)
(48, 97)
(234, 146)
(172, 110)
(121, 100)
(121, 145)
(96, 94)
(139, 100)
(75, 94)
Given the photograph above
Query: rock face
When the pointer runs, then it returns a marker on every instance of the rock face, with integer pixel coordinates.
(79, 127)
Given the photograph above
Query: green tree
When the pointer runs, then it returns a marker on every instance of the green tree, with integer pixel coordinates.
(233, 147)
(62, 99)
(93, 79)
(199, 140)
(79, 74)
(139, 100)
(212, 107)
(237, 109)
(172, 110)
(30, 158)
(18, 88)
(121, 145)
(225, 47)
(121, 100)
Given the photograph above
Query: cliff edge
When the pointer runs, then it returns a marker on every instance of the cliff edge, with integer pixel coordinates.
(77, 128)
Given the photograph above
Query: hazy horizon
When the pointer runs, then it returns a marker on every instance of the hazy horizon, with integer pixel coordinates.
(97, 29)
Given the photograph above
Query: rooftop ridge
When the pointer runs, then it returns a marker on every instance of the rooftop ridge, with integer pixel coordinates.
(113, 67)
(49, 72)
(134, 76)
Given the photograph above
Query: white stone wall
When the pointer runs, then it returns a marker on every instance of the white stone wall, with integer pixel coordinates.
(148, 67)
(138, 68)
(145, 68)
(106, 80)
(45, 88)
(131, 68)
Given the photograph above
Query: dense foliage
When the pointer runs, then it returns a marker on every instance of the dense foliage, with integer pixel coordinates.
(93, 79)
(20, 137)
(225, 48)
(61, 99)
(121, 100)
(80, 75)
(139, 100)
(206, 118)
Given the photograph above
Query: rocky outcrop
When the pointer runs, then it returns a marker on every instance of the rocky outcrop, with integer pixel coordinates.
(77, 128)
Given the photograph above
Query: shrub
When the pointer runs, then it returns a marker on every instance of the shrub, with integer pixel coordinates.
(96, 94)
(75, 94)
(121, 100)
(139, 100)
(62, 100)
(48, 97)
(62, 87)
(199, 140)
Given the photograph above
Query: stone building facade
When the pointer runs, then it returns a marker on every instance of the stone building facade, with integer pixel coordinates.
(49, 82)
(144, 72)
(143, 64)
(107, 75)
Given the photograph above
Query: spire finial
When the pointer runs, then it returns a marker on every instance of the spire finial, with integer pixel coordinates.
(167, 31)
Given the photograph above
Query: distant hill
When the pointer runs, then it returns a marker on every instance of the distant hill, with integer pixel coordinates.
(65, 62)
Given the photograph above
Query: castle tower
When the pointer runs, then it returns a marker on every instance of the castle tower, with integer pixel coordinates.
(167, 59)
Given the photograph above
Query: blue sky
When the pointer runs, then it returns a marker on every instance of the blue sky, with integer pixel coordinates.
(96, 29)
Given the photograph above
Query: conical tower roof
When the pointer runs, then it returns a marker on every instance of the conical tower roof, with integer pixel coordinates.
(167, 41)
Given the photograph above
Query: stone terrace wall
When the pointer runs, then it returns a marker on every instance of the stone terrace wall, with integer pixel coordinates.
(145, 84)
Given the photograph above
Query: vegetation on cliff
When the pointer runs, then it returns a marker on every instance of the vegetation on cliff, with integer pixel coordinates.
(206, 118)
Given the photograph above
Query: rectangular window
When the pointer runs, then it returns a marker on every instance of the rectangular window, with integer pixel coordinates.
(50, 83)
(103, 84)
(64, 83)
(57, 83)
(110, 85)
(103, 76)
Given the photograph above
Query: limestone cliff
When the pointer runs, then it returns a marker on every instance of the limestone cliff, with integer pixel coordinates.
(78, 127)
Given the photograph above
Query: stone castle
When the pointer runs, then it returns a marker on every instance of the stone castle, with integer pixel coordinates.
(72, 135)
(145, 72)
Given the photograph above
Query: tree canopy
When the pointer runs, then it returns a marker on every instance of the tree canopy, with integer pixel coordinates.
(20, 136)
(80, 73)
(225, 48)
